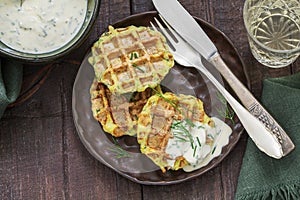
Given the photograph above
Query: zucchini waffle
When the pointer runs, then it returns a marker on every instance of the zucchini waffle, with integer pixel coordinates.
(155, 122)
(117, 113)
(131, 59)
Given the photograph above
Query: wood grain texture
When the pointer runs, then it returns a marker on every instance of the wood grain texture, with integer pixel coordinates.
(42, 157)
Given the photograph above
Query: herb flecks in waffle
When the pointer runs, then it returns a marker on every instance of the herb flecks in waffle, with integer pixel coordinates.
(131, 59)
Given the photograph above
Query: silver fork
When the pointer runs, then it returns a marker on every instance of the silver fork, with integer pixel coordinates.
(185, 55)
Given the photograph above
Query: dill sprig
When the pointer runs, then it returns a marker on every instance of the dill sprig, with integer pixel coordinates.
(194, 153)
(175, 106)
(21, 2)
(178, 125)
(118, 150)
(133, 55)
(214, 149)
(226, 112)
(186, 133)
(167, 100)
(199, 143)
(137, 67)
(181, 139)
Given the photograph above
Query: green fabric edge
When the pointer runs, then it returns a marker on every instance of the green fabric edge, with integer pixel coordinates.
(284, 191)
(11, 76)
(292, 81)
(281, 191)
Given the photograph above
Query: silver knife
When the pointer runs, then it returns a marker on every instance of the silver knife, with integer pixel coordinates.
(186, 26)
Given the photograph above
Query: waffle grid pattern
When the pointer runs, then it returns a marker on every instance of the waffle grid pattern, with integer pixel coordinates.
(118, 113)
(131, 59)
(155, 122)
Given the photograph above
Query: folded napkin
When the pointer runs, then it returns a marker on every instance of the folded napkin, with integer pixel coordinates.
(11, 74)
(262, 177)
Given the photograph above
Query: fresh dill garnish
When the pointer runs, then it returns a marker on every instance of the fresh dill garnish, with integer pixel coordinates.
(210, 136)
(200, 126)
(21, 2)
(213, 151)
(182, 133)
(133, 55)
(221, 98)
(118, 150)
(175, 124)
(194, 153)
(166, 99)
(139, 68)
(199, 143)
(135, 117)
(189, 122)
(226, 112)
(176, 107)
(181, 139)
(179, 125)
(185, 132)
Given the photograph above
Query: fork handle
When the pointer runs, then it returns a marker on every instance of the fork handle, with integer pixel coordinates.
(253, 105)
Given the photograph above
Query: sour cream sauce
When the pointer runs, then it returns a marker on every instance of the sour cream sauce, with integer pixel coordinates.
(193, 147)
(40, 26)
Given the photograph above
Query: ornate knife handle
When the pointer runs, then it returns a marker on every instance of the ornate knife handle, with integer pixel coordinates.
(251, 104)
(259, 112)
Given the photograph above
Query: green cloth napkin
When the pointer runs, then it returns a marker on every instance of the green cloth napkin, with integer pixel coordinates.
(11, 74)
(262, 177)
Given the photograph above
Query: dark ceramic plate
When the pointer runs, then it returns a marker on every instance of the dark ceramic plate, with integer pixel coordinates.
(138, 167)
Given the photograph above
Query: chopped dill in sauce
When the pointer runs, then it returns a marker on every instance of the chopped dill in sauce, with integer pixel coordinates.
(40, 26)
(198, 143)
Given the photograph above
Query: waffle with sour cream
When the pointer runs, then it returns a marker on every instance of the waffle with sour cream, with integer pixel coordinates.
(161, 114)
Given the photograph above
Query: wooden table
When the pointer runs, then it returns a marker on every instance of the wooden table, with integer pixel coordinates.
(42, 157)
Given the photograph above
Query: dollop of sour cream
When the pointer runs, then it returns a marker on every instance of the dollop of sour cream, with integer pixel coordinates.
(190, 141)
(40, 26)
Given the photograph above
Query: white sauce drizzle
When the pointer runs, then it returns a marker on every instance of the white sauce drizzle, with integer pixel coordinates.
(40, 26)
(199, 154)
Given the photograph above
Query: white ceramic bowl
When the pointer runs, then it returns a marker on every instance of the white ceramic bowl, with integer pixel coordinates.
(90, 17)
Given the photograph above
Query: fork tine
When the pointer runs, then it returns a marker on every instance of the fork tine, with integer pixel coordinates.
(154, 27)
(175, 35)
(163, 30)
(161, 27)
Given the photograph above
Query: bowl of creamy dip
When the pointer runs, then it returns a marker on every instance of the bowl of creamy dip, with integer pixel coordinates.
(44, 30)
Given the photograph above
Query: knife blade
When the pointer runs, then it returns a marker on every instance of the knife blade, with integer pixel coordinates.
(186, 26)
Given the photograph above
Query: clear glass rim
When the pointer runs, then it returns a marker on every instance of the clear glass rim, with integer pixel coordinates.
(291, 51)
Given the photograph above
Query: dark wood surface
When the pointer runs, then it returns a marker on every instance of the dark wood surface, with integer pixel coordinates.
(42, 157)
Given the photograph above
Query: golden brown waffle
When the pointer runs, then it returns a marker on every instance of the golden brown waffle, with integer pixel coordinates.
(117, 113)
(131, 59)
(155, 121)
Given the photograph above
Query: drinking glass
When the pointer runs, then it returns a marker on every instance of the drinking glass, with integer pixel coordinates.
(273, 28)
